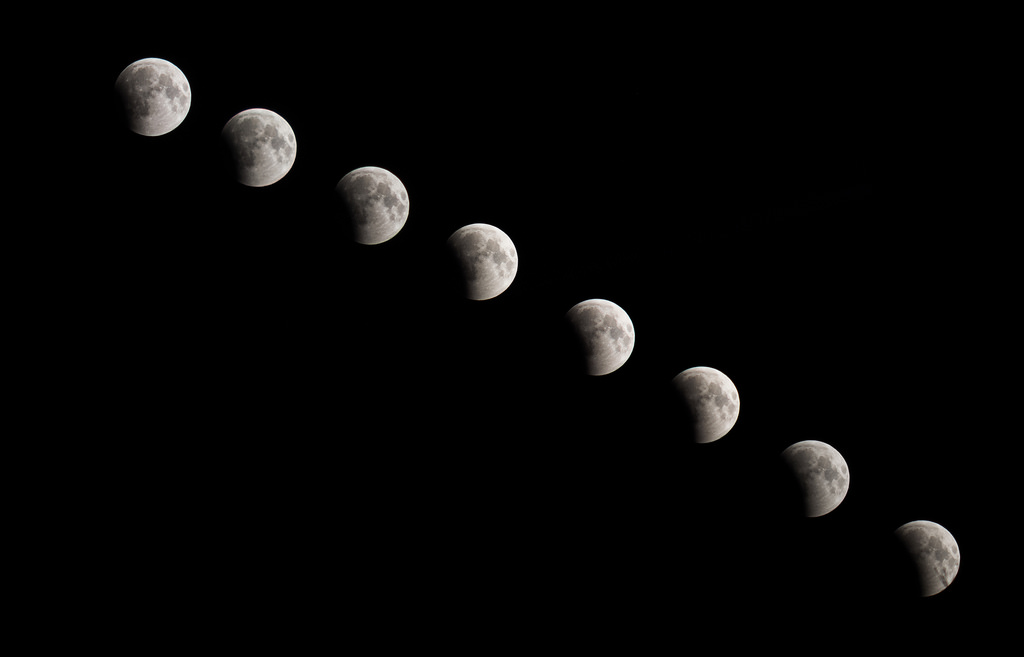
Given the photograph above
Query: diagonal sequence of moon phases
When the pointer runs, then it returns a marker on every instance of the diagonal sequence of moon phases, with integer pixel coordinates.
(710, 400)
(487, 260)
(604, 333)
(377, 204)
(155, 94)
(261, 145)
(934, 553)
(821, 474)
(156, 98)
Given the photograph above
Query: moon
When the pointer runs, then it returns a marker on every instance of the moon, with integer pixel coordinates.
(377, 204)
(155, 95)
(821, 473)
(261, 145)
(604, 333)
(934, 552)
(487, 260)
(712, 401)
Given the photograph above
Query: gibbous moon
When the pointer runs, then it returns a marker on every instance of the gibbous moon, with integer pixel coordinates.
(155, 94)
(712, 401)
(821, 474)
(487, 260)
(934, 552)
(377, 203)
(604, 333)
(261, 145)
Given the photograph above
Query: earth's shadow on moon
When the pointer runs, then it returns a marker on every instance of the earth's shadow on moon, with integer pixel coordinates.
(346, 222)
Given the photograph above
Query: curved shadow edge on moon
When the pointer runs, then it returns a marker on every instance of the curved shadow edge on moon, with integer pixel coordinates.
(710, 403)
(486, 258)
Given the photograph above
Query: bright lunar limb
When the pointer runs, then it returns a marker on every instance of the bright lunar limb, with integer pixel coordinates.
(604, 333)
(934, 553)
(711, 401)
(261, 145)
(487, 260)
(155, 95)
(376, 202)
(821, 473)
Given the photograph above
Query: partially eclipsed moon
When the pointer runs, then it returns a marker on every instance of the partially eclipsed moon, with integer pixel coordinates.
(712, 402)
(155, 94)
(261, 145)
(934, 552)
(487, 260)
(377, 203)
(605, 335)
(821, 474)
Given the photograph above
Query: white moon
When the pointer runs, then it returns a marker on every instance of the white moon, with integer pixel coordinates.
(155, 94)
(821, 473)
(712, 401)
(377, 203)
(934, 552)
(605, 335)
(487, 259)
(261, 145)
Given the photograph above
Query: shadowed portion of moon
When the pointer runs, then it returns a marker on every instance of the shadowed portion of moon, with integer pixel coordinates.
(933, 552)
(155, 94)
(486, 259)
(376, 204)
(821, 475)
(261, 146)
(711, 403)
(604, 333)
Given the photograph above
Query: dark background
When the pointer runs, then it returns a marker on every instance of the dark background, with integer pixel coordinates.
(277, 430)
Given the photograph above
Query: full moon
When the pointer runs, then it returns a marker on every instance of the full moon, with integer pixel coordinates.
(711, 400)
(155, 94)
(821, 474)
(605, 335)
(377, 204)
(487, 260)
(261, 145)
(934, 552)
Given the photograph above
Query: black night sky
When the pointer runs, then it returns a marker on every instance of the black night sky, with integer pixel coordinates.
(290, 430)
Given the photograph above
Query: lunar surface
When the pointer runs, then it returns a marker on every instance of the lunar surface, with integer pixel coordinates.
(605, 335)
(934, 552)
(155, 94)
(377, 204)
(821, 474)
(487, 260)
(711, 401)
(261, 145)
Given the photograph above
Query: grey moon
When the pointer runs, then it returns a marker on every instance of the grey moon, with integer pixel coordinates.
(605, 335)
(155, 95)
(377, 203)
(821, 473)
(934, 552)
(487, 260)
(711, 399)
(261, 146)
